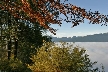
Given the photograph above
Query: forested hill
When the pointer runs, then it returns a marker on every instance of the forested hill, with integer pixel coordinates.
(102, 37)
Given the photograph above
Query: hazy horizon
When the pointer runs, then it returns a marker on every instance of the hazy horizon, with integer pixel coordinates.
(80, 35)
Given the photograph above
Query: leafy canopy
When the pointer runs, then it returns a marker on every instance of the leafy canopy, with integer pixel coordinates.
(52, 58)
(48, 11)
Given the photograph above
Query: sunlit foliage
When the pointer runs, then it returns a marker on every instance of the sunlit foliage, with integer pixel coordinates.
(48, 11)
(52, 58)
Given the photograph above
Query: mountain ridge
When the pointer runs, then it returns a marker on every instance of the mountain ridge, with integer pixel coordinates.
(101, 37)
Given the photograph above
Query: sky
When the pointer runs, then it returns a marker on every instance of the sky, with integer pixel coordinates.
(97, 51)
(84, 28)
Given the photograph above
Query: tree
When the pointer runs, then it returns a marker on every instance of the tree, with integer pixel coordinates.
(18, 38)
(48, 11)
(13, 65)
(52, 58)
(38, 12)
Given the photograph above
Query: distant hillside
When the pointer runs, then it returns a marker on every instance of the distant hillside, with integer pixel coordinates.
(102, 37)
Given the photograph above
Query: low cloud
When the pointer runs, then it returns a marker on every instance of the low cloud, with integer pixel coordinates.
(98, 51)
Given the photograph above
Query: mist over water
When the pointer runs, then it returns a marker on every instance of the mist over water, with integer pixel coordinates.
(97, 51)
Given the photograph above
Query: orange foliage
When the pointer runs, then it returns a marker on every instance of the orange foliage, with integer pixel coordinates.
(51, 17)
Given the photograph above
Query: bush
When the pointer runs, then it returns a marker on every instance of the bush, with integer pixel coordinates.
(13, 65)
(52, 58)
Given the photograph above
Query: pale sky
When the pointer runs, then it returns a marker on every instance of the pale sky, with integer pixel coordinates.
(85, 28)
